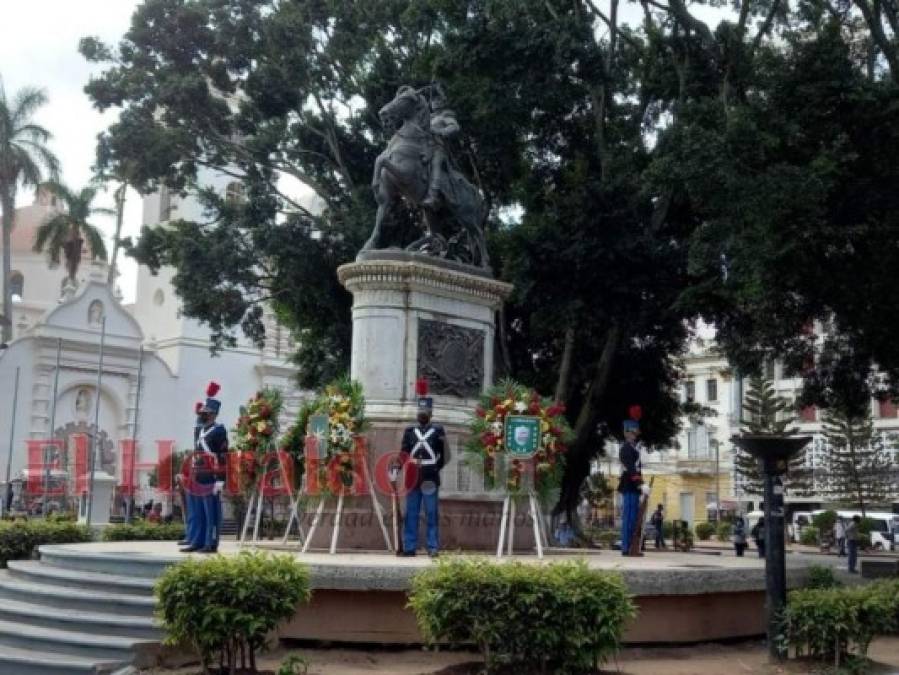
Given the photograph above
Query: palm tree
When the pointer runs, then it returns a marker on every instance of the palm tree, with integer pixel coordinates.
(64, 233)
(24, 159)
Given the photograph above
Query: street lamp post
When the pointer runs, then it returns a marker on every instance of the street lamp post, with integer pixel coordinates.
(773, 452)
(717, 445)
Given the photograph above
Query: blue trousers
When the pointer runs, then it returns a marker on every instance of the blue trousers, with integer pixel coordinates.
(630, 506)
(413, 507)
(212, 520)
(192, 507)
(853, 554)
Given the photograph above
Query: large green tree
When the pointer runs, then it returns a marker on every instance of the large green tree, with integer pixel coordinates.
(63, 234)
(766, 412)
(24, 160)
(792, 185)
(637, 176)
(859, 467)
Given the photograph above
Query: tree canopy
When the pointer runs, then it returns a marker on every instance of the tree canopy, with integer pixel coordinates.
(63, 234)
(638, 177)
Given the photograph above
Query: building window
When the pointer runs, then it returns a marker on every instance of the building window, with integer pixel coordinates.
(711, 390)
(690, 391)
(17, 285)
(770, 371)
(698, 442)
(808, 413)
(886, 407)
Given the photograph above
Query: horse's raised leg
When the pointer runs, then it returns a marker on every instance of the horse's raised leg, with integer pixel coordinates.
(385, 200)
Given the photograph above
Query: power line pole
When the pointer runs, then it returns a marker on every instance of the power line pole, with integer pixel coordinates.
(12, 437)
(95, 446)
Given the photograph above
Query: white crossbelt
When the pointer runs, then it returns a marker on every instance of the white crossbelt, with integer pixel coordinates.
(430, 457)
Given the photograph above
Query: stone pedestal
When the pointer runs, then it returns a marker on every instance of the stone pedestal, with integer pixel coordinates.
(104, 487)
(415, 316)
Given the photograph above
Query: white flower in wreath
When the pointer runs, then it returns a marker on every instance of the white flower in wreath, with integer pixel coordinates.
(496, 428)
(547, 439)
(520, 406)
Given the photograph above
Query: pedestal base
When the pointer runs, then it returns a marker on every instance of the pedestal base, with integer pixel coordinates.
(417, 317)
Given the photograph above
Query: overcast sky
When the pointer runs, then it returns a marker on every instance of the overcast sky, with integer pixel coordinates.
(39, 48)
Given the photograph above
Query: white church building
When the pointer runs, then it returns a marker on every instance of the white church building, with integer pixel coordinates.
(156, 362)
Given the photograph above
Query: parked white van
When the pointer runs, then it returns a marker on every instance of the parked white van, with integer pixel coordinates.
(883, 535)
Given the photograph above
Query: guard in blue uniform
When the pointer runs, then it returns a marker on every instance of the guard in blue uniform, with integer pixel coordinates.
(208, 474)
(423, 445)
(630, 482)
(192, 503)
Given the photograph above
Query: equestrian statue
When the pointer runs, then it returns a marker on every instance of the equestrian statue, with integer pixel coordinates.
(418, 166)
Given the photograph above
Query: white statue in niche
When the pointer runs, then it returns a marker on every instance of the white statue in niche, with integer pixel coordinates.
(95, 313)
(83, 401)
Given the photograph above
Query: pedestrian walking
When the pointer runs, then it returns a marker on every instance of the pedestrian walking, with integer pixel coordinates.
(851, 535)
(758, 534)
(658, 519)
(739, 536)
(839, 535)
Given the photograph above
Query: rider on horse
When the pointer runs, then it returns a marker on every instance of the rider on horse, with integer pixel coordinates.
(443, 126)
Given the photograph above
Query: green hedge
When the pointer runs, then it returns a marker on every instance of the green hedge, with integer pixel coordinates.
(562, 617)
(724, 531)
(143, 531)
(821, 576)
(809, 536)
(704, 531)
(667, 529)
(825, 521)
(20, 538)
(608, 538)
(839, 623)
(226, 606)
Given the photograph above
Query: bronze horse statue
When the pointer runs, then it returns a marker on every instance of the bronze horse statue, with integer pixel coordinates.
(453, 208)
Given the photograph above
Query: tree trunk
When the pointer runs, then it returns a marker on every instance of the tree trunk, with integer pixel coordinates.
(119, 215)
(7, 202)
(582, 450)
(565, 367)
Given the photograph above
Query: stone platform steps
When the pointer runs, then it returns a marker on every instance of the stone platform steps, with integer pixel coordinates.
(77, 612)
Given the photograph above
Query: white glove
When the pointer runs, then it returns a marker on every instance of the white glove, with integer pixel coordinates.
(218, 487)
(645, 490)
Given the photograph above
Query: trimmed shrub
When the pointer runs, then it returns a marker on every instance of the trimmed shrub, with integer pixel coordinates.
(809, 536)
(825, 521)
(724, 531)
(142, 531)
(667, 529)
(562, 617)
(225, 606)
(20, 538)
(865, 527)
(704, 531)
(821, 576)
(608, 538)
(838, 623)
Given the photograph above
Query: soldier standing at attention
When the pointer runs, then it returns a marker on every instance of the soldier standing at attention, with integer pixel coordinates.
(423, 445)
(630, 482)
(208, 476)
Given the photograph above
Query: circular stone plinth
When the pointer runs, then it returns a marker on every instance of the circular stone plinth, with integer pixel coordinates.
(652, 575)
